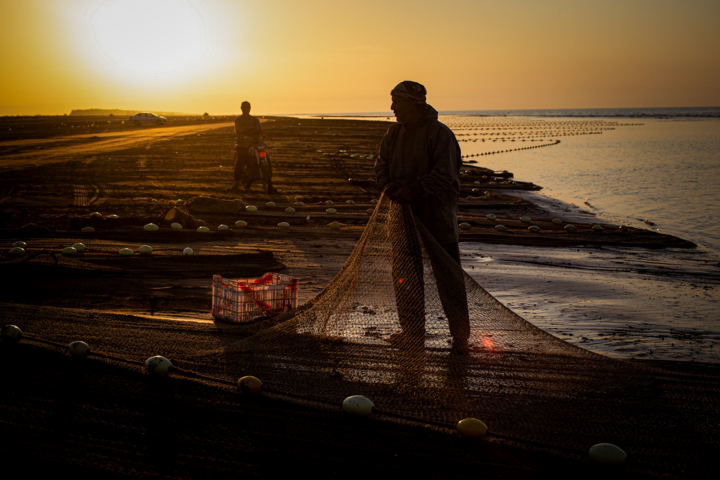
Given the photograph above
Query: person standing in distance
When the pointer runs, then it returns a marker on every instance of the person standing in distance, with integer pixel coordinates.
(419, 164)
(246, 126)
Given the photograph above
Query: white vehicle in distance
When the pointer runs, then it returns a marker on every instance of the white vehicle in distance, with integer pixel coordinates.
(147, 119)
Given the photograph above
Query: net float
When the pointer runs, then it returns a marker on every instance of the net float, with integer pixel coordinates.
(358, 405)
(607, 454)
(10, 333)
(471, 428)
(79, 349)
(158, 366)
(250, 384)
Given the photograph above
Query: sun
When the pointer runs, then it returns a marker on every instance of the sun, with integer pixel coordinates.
(150, 37)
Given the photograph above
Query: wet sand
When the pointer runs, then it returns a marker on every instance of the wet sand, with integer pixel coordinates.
(558, 289)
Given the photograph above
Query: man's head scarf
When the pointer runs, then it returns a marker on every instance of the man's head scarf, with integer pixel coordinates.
(410, 90)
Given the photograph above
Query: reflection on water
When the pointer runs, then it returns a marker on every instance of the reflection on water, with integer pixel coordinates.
(665, 171)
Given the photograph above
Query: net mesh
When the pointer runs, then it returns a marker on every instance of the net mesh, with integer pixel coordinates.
(394, 324)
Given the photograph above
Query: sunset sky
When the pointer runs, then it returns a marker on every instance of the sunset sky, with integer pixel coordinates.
(289, 56)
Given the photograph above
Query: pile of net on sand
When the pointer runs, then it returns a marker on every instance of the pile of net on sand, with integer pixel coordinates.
(385, 326)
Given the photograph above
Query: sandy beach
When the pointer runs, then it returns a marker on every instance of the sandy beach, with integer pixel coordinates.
(627, 293)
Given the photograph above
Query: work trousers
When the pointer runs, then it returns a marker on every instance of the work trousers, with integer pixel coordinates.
(409, 275)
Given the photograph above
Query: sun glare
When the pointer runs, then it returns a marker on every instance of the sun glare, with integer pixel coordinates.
(150, 37)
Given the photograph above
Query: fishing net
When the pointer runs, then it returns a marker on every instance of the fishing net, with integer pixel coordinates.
(405, 326)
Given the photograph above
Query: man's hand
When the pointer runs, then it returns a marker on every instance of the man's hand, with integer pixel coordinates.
(403, 194)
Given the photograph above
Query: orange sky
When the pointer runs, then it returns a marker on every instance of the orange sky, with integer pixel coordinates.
(287, 56)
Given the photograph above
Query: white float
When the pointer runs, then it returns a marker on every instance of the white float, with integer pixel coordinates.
(87, 230)
(557, 221)
(501, 228)
(350, 202)
(472, 428)
(299, 204)
(176, 226)
(490, 216)
(79, 247)
(223, 227)
(331, 211)
(79, 349)
(335, 225)
(250, 384)
(534, 229)
(289, 210)
(17, 251)
(188, 251)
(358, 405)
(270, 204)
(374, 201)
(525, 219)
(607, 454)
(69, 251)
(241, 224)
(10, 333)
(251, 208)
(158, 366)
(203, 229)
(283, 225)
(113, 217)
(145, 250)
(475, 190)
(484, 177)
(151, 227)
(328, 202)
(597, 228)
(96, 215)
(477, 182)
(125, 252)
(570, 228)
(464, 226)
(19, 245)
(370, 211)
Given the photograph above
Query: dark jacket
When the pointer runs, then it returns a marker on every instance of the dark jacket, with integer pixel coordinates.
(248, 126)
(430, 155)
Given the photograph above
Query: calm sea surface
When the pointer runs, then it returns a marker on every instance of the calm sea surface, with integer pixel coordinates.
(665, 170)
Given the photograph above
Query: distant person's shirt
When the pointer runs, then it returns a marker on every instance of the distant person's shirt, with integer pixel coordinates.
(248, 126)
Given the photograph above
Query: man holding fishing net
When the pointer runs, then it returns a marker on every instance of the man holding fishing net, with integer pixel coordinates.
(418, 170)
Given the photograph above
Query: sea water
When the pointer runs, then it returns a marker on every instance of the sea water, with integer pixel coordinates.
(655, 170)
(665, 171)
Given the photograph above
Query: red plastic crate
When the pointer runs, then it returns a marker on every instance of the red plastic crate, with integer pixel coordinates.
(246, 300)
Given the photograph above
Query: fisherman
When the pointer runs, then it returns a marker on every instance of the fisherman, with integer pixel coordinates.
(419, 164)
(247, 129)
